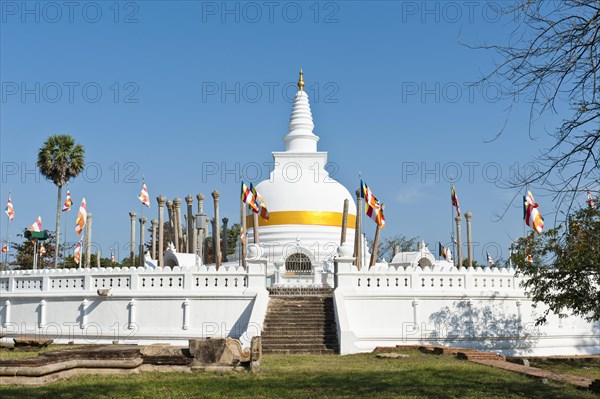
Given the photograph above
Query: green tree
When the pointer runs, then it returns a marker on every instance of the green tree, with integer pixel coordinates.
(563, 271)
(24, 253)
(385, 249)
(60, 159)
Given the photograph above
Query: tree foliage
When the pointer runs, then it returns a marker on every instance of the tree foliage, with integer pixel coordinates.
(564, 272)
(553, 57)
(60, 160)
(385, 249)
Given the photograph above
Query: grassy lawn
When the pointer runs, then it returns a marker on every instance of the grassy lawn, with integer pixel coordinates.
(357, 376)
(588, 368)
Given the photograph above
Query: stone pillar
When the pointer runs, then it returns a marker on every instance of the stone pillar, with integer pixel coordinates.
(468, 216)
(88, 240)
(142, 239)
(216, 195)
(189, 200)
(344, 222)
(98, 256)
(171, 221)
(458, 241)
(214, 242)
(358, 231)
(200, 198)
(154, 224)
(195, 235)
(184, 236)
(225, 221)
(255, 224)
(161, 223)
(132, 215)
(177, 223)
(396, 250)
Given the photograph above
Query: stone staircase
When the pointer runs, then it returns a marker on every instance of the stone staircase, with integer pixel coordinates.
(300, 324)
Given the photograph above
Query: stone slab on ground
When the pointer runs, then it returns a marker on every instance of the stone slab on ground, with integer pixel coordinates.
(391, 355)
(32, 342)
(536, 372)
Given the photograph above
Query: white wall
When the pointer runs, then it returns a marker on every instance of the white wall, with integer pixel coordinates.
(143, 305)
(482, 308)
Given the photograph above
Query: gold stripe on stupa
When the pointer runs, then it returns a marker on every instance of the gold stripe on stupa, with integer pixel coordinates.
(333, 219)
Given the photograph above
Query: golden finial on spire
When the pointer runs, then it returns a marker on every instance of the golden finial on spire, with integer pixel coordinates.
(301, 81)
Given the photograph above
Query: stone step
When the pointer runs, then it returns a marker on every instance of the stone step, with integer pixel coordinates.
(299, 347)
(330, 343)
(300, 351)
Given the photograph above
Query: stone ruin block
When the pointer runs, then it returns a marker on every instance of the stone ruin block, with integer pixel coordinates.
(224, 352)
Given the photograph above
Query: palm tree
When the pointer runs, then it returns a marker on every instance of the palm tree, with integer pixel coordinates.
(60, 160)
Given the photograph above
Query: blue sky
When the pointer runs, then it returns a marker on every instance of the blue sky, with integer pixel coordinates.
(170, 90)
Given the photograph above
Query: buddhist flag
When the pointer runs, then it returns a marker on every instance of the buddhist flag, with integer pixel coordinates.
(454, 199)
(373, 207)
(10, 211)
(260, 203)
(81, 217)
(42, 250)
(77, 253)
(144, 196)
(442, 251)
(68, 202)
(37, 225)
(529, 258)
(590, 200)
(4, 248)
(489, 259)
(112, 258)
(531, 214)
(248, 198)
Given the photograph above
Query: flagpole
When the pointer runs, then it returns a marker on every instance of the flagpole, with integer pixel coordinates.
(245, 239)
(452, 224)
(7, 236)
(66, 224)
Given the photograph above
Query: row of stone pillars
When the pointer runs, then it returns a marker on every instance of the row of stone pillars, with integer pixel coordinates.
(459, 255)
(191, 240)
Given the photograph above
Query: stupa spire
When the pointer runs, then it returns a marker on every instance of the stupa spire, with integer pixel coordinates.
(300, 137)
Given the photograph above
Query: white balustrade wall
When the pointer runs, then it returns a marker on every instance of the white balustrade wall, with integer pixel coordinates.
(134, 304)
(485, 308)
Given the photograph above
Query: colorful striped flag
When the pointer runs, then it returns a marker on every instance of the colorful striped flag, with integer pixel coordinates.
(10, 211)
(260, 203)
(529, 258)
(454, 199)
(442, 251)
(42, 250)
(112, 258)
(37, 225)
(81, 217)
(68, 202)
(4, 248)
(489, 259)
(590, 200)
(373, 207)
(248, 198)
(144, 197)
(531, 214)
(77, 253)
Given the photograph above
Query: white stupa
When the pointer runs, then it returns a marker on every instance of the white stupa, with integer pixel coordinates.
(305, 203)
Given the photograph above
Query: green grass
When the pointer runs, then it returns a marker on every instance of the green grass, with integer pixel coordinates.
(358, 376)
(587, 367)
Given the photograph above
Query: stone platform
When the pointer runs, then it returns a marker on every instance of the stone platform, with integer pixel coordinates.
(201, 355)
